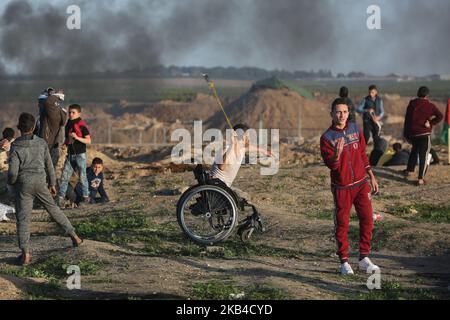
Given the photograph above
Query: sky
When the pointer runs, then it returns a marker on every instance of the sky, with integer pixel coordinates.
(285, 34)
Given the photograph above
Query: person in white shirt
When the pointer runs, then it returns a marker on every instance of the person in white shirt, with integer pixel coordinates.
(227, 168)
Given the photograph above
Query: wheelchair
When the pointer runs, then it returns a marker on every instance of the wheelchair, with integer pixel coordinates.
(208, 212)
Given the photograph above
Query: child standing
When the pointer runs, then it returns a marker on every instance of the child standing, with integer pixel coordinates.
(77, 137)
(29, 166)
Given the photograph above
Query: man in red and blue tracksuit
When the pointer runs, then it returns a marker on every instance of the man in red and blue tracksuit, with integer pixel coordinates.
(343, 150)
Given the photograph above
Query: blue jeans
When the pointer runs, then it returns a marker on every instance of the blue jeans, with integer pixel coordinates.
(77, 161)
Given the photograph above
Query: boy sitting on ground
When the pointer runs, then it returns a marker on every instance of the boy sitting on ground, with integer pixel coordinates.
(96, 185)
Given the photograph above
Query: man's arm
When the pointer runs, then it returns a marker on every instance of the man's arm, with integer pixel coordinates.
(364, 157)
(373, 180)
(86, 137)
(86, 140)
(259, 150)
(14, 165)
(330, 154)
(102, 191)
(380, 110)
(438, 116)
(361, 105)
(407, 124)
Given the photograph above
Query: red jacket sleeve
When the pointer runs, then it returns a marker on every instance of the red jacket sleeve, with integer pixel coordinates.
(364, 157)
(438, 116)
(327, 151)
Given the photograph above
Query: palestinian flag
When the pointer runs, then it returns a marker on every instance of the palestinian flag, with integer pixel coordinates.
(444, 136)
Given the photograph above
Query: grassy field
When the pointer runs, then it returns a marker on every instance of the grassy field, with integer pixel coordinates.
(147, 90)
(440, 90)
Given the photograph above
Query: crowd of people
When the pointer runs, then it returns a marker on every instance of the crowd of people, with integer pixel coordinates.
(31, 161)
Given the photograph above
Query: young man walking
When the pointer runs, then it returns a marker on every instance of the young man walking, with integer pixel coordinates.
(343, 150)
(29, 165)
(420, 118)
(372, 111)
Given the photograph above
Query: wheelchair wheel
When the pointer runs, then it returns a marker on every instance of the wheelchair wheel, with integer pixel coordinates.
(207, 214)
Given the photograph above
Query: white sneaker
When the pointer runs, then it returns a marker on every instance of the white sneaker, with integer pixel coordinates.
(346, 269)
(367, 265)
(4, 219)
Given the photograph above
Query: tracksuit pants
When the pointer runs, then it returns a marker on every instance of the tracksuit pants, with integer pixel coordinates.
(344, 199)
(25, 195)
(420, 146)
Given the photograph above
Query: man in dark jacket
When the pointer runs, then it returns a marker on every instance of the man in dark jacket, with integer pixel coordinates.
(52, 121)
(29, 167)
(372, 111)
(420, 118)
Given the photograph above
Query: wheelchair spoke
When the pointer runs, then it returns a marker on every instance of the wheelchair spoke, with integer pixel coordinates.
(208, 215)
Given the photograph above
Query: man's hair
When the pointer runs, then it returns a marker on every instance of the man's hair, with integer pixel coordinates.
(97, 161)
(373, 87)
(397, 146)
(241, 126)
(423, 92)
(26, 122)
(343, 92)
(9, 134)
(337, 102)
(50, 90)
(75, 107)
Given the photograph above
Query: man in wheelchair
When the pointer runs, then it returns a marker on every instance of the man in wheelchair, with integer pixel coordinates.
(224, 171)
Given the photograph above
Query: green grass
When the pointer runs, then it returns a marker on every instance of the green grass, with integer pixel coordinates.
(329, 215)
(382, 231)
(358, 88)
(223, 290)
(53, 268)
(80, 90)
(112, 228)
(423, 212)
(179, 94)
(394, 290)
(167, 239)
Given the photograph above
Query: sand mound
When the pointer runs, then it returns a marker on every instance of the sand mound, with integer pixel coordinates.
(201, 107)
(276, 108)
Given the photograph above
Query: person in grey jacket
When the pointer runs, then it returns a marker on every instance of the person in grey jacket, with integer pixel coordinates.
(29, 165)
(372, 112)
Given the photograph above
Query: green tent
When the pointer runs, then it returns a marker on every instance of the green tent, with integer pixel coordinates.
(275, 83)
